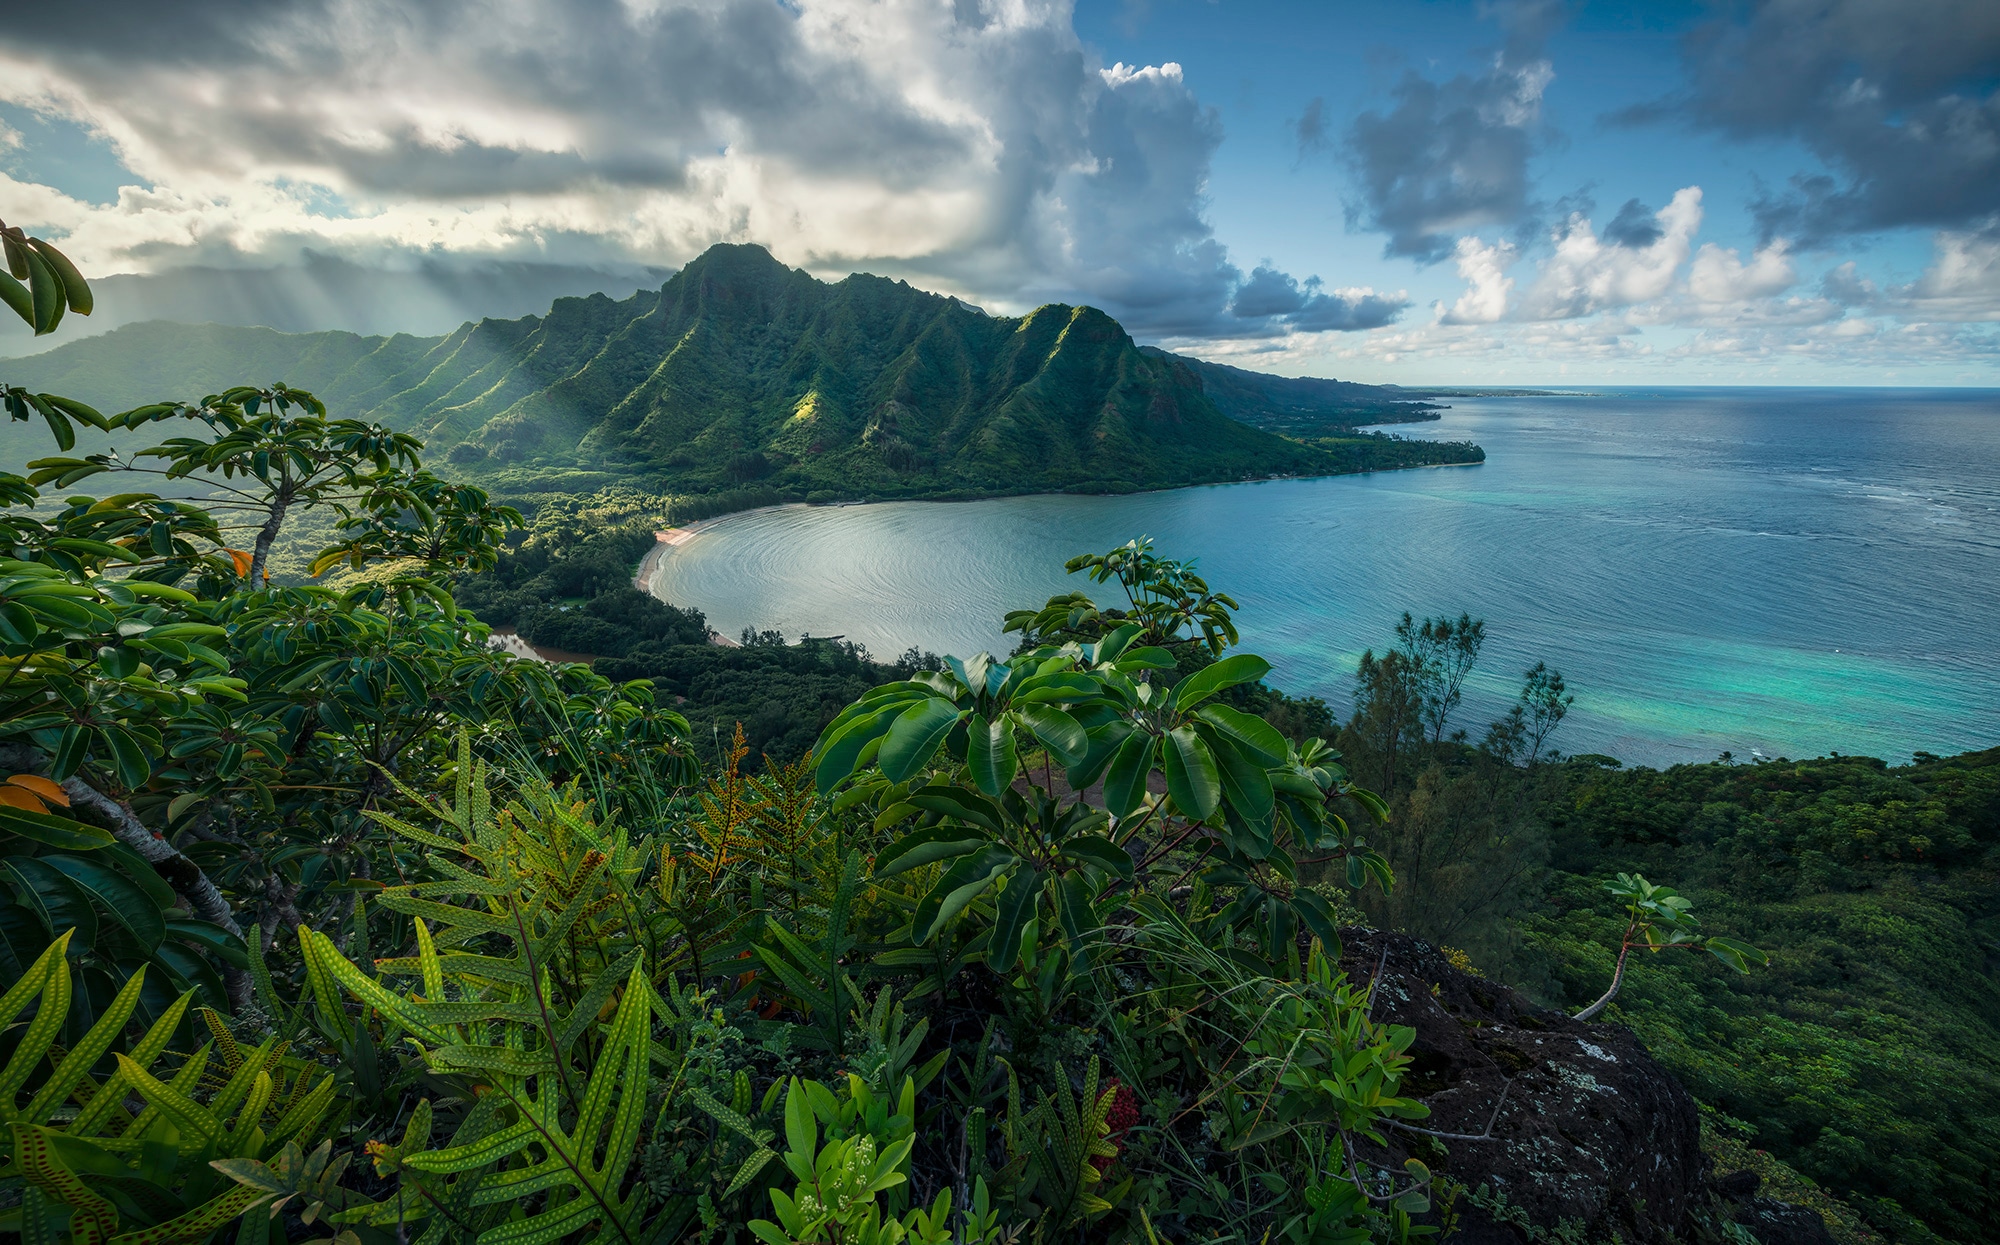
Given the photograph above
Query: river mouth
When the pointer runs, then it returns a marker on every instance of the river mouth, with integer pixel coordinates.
(1727, 570)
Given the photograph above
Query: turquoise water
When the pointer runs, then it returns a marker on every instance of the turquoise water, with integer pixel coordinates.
(1792, 571)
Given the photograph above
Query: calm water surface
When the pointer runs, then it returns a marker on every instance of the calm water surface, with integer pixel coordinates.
(1794, 571)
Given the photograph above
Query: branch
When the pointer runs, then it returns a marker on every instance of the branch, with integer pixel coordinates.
(1617, 977)
(184, 875)
(1485, 1136)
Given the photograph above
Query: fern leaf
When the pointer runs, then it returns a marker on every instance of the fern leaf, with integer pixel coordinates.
(50, 978)
(749, 1169)
(104, 1105)
(78, 1063)
(185, 1113)
(92, 1220)
(584, 1014)
(488, 1149)
(198, 1224)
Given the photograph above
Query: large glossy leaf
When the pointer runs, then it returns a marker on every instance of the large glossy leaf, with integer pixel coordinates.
(1016, 904)
(960, 803)
(51, 896)
(1244, 781)
(58, 832)
(1125, 777)
(1104, 744)
(117, 895)
(914, 737)
(960, 885)
(990, 753)
(1060, 733)
(1318, 917)
(839, 754)
(1227, 673)
(927, 846)
(1192, 779)
(1257, 739)
(1102, 852)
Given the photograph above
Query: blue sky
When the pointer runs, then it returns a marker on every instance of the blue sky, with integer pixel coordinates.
(1496, 193)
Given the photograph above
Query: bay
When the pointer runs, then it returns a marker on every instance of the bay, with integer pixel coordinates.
(1781, 570)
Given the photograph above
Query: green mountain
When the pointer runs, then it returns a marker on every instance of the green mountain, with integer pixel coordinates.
(741, 371)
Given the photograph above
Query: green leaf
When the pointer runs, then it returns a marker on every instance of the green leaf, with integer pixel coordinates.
(52, 897)
(117, 895)
(133, 767)
(1014, 908)
(1105, 741)
(57, 832)
(1257, 739)
(1227, 673)
(962, 804)
(17, 298)
(1102, 852)
(1125, 779)
(990, 753)
(1244, 781)
(1060, 733)
(76, 291)
(922, 847)
(914, 738)
(1192, 779)
(840, 754)
(46, 288)
(960, 885)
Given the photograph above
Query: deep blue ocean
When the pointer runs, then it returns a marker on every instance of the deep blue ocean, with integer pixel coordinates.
(1788, 571)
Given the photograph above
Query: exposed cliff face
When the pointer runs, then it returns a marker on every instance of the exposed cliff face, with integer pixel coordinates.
(1590, 1136)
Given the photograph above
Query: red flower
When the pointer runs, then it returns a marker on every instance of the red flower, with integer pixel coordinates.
(1118, 1121)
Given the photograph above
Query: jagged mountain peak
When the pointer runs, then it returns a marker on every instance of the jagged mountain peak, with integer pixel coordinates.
(741, 369)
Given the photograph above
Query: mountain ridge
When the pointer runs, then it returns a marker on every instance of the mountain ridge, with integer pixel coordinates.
(742, 371)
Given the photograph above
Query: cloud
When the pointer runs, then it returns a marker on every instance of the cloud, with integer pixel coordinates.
(1721, 276)
(1311, 127)
(1587, 274)
(1634, 226)
(974, 147)
(1962, 281)
(1899, 101)
(325, 292)
(1283, 302)
(1484, 268)
(1450, 156)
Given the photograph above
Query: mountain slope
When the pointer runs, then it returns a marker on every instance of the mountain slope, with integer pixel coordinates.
(740, 370)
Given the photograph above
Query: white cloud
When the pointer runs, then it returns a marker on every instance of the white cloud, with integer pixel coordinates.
(1484, 268)
(1587, 274)
(1721, 276)
(975, 146)
(1963, 280)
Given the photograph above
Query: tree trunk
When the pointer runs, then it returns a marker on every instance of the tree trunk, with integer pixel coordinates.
(1617, 977)
(267, 535)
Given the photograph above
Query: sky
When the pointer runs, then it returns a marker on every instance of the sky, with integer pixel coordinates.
(1506, 192)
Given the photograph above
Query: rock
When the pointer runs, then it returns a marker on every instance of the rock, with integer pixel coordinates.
(1590, 1136)
(1781, 1223)
(1739, 1185)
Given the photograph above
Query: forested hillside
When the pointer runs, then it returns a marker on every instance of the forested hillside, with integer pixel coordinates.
(740, 371)
(1860, 1059)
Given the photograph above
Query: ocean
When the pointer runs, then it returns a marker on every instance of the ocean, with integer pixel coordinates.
(1784, 572)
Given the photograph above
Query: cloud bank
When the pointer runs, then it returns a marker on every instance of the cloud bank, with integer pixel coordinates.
(972, 146)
